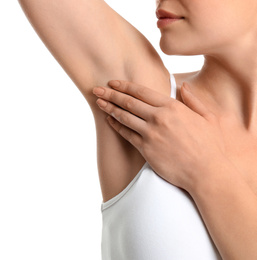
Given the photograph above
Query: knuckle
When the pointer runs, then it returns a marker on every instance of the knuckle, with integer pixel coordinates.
(129, 103)
(141, 92)
(124, 85)
(110, 109)
(116, 113)
(123, 118)
(112, 95)
(159, 117)
(172, 105)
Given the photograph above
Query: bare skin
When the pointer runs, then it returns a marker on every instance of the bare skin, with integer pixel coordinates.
(226, 84)
(184, 145)
(228, 78)
(227, 87)
(241, 145)
(83, 47)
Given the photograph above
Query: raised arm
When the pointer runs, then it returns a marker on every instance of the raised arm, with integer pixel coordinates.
(94, 44)
(91, 41)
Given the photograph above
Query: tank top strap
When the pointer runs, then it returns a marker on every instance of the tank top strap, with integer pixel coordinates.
(173, 84)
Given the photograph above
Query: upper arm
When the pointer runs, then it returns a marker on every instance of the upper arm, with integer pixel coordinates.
(85, 36)
(94, 44)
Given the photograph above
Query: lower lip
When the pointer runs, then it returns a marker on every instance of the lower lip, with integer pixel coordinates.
(164, 22)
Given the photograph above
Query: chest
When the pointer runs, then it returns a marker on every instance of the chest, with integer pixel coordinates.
(243, 154)
(241, 148)
(156, 220)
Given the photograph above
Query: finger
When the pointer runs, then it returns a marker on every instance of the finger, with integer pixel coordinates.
(124, 117)
(129, 103)
(193, 102)
(134, 138)
(143, 93)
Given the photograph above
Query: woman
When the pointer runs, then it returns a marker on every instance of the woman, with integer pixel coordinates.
(150, 216)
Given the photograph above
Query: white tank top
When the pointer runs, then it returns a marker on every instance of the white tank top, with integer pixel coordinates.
(152, 219)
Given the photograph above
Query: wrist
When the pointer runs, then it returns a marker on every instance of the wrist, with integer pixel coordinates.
(208, 177)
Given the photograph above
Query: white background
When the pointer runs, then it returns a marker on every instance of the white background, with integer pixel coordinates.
(50, 197)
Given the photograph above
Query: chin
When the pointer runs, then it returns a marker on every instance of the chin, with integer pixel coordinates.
(170, 48)
(166, 50)
(177, 49)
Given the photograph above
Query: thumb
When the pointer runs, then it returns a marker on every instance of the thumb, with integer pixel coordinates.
(193, 102)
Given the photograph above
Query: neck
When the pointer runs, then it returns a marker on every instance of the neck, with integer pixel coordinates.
(228, 83)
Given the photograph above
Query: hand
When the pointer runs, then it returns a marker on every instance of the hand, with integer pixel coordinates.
(178, 140)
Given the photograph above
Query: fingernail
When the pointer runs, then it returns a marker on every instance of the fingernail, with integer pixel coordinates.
(114, 83)
(185, 86)
(101, 103)
(98, 91)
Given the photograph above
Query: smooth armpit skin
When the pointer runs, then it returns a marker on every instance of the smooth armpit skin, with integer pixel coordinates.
(94, 44)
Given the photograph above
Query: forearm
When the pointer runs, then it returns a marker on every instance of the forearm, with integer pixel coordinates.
(229, 209)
